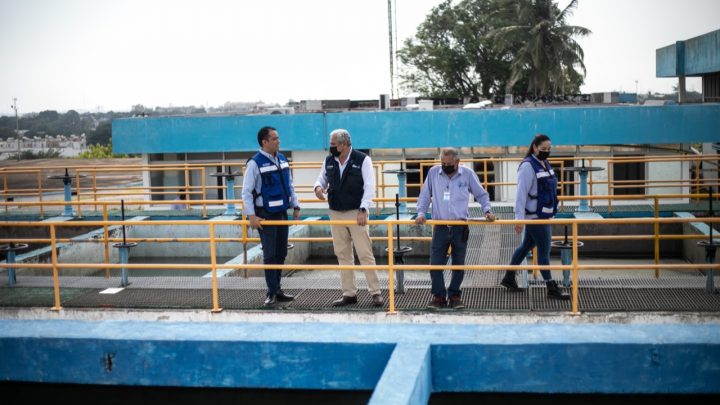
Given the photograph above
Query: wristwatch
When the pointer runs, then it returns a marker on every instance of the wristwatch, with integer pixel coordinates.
(363, 209)
(296, 209)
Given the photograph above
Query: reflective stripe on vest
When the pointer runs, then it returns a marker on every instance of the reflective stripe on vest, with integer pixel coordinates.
(275, 182)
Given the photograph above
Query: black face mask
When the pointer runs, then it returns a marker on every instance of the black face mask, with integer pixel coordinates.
(334, 151)
(543, 155)
(448, 169)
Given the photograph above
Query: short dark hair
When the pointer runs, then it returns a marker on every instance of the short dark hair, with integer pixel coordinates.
(539, 138)
(264, 134)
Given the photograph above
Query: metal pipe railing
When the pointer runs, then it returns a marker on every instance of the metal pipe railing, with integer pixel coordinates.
(575, 266)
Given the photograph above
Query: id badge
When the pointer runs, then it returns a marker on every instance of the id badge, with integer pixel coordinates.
(446, 195)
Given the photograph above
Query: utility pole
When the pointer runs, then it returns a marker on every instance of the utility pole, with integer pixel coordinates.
(392, 69)
(17, 126)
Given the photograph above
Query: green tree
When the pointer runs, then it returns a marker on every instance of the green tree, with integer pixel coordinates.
(543, 46)
(451, 54)
(478, 48)
(101, 135)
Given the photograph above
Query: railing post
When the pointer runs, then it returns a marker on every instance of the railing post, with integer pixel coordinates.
(244, 242)
(78, 192)
(391, 270)
(485, 174)
(94, 187)
(610, 185)
(575, 290)
(656, 228)
(213, 261)
(187, 183)
(56, 280)
(204, 194)
(382, 178)
(106, 237)
(40, 196)
(5, 193)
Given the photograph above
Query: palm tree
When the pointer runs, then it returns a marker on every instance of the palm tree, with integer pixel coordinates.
(542, 46)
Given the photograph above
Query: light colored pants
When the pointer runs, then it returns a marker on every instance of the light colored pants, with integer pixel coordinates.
(344, 238)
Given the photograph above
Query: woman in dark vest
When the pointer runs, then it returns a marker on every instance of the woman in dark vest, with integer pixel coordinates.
(536, 199)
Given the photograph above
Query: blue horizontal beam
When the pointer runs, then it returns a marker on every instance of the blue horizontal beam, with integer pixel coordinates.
(425, 129)
(540, 358)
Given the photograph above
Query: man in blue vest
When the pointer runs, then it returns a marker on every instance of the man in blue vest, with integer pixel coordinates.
(268, 193)
(348, 178)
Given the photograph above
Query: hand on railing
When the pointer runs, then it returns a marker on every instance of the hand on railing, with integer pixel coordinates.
(519, 228)
(255, 222)
(420, 219)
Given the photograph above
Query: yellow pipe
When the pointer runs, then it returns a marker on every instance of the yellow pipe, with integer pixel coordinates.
(391, 271)
(656, 230)
(95, 189)
(106, 236)
(78, 192)
(56, 279)
(213, 262)
(575, 263)
(329, 267)
(204, 194)
(321, 239)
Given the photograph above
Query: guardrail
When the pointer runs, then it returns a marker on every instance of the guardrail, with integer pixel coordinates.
(487, 175)
(575, 266)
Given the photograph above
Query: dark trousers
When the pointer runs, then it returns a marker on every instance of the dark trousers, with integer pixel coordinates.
(443, 237)
(535, 235)
(274, 241)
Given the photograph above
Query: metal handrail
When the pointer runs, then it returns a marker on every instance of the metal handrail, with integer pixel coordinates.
(575, 266)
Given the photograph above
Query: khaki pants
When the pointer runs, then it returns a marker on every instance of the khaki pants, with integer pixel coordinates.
(344, 238)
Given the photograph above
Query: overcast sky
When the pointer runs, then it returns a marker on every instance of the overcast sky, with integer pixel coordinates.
(110, 55)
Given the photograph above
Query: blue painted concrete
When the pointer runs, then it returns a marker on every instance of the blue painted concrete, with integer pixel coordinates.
(397, 385)
(425, 129)
(693, 57)
(596, 358)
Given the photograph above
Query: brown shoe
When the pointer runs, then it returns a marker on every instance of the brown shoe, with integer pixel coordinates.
(377, 300)
(345, 300)
(437, 302)
(456, 302)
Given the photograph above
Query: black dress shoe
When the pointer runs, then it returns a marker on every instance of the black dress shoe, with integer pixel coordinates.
(377, 300)
(282, 297)
(270, 300)
(553, 291)
(510, 284)
(345, 300)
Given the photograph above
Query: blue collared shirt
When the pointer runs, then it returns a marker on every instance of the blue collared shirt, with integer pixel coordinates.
(457, 189)
(253, 181)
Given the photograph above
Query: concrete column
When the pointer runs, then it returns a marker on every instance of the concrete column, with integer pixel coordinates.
(682, 97)
(407, 378)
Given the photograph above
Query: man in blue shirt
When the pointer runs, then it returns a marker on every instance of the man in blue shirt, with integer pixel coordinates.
(268, 193)
(450, 186)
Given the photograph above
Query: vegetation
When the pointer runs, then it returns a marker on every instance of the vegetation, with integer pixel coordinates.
(481, 48)
(100, 151)
(43, 154)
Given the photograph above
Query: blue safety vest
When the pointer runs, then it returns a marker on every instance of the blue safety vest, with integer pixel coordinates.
(547, 201)
(275, 189)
